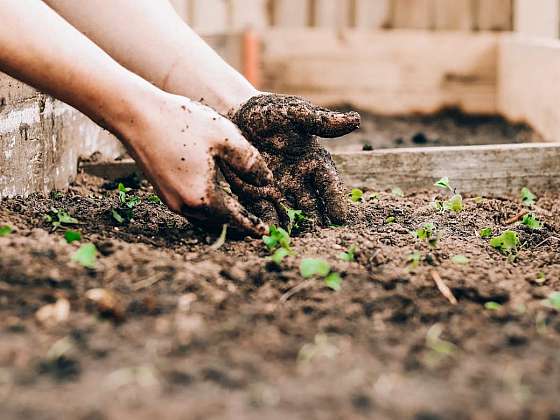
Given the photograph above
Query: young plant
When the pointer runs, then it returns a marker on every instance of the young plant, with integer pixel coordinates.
(277, 238)
(86, 256)
(279, 255)
(125, 213)
(443, 183)
(221, 239)
(485, 232)
(349, 255)
(553, 301)
(455, 203)
(5, 230)
(295, 217)
(154, 199)
(427, 233)
(397, 192)
(390, 220)
(506, 243)
(492, 306)
(72, 236)
(311, 267)
(531, 221)
(59, 218)
(414, 260)
(356, 195)
(527, 197)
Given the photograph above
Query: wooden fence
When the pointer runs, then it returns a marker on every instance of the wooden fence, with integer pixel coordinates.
(219, 16)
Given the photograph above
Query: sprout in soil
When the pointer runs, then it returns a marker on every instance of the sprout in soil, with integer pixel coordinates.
(397, 192)
(506, 243)
(221, 239)
(541, 278)
(58, 218)
(414, 260)
(443, 183)
(277, 238)
(492, 306)
(427, 233)
(311, 267)
(356, 195)
(72, 236)
(349, 255)
(531, 222)
(389, 220)
(154, 199)
(127, 202)
(86, 256)
(485, 232)
(295, 217)
(553, 301)
(527, 197)
(455, 203)
(5, 230)
(460, 259)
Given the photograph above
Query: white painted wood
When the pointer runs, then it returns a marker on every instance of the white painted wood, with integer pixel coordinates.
(537, 17)
(331, 13)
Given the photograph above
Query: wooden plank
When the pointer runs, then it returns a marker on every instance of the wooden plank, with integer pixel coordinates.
(480, 170)
(210, 16)
(454, 15)
(416, 14)
(372, 14)
(537, 18)
(249, 14)
(330, 13)
(384, 72)
(291, 13)
(527, 90)
(494, 15)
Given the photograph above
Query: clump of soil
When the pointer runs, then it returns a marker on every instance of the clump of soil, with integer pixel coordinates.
(185, 331)
(449, 127)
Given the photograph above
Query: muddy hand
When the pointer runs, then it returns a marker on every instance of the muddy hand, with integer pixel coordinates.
(285, 130)
(180, 146)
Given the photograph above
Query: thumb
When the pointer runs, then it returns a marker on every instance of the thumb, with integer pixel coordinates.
(329, 124)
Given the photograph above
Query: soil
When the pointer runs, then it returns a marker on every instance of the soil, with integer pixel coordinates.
(450, 127)
(180, 330)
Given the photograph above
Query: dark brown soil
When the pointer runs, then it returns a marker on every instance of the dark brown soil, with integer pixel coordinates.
(203, 334)
(446, 128)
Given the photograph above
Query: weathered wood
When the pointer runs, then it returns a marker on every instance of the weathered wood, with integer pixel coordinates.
(454, 15)
(482, 170)
(291, 13)
(416, 14)
(528, 90)
(372, 14)
(330, 13)
(396, 72)
(494, 15)
(537, 17)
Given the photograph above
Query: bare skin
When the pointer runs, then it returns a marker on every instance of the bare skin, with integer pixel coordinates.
(156, 44)
(176, 141)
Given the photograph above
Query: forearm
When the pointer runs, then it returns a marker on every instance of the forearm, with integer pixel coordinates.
(43, 50)
(150, 39)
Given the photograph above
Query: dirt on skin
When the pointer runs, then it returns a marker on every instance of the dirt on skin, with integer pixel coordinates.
(183, 331)
(449, 127)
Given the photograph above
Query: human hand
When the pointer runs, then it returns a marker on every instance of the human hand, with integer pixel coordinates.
(179, 144)
(285, 130)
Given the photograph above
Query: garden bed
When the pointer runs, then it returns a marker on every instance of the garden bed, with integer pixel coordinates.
(186, 331)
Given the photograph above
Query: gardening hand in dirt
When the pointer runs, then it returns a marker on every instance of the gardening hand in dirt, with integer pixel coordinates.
(285, 130)
(180, 148)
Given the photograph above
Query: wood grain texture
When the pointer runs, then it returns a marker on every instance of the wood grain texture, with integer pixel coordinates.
(484, 170)
(494, 15)
(331, 13)
(384, 72)
(413, 14)
(248, 14)
(454, 15)
(372, 14)
(528, 91)
(291, 13)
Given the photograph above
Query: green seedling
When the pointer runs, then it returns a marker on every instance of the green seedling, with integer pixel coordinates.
(506, 243)
(527, 197)
(553, 301)
(531, 221)
(72, 236)
(443, 183)
(277, 238)
(427, 233)
(59, 218)
(389, 220)
(154, 199)
(117, 216)
(492, 306)
(356, 195)
(279, 255)
(541, 278)
(349, 255)
(454, 204)
(460, 259)
(221, 239)
(5, 230)
(485, 232)
(478, 200)
(295, 217)
(435, 343)
(86, 256)
(397, 192)
(414, 260)
(126, 212)
(311, 267)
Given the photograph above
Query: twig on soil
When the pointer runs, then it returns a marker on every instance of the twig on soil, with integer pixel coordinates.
(294, 290)
(517, 217)
(445, 291)
(144, 284)
(548, 239)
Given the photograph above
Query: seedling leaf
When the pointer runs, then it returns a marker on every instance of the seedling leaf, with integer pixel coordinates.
(116, 215)
(492, 306)
(86, 255)
(356, 195)
(506, 243)
(5, 230)
(310, 267)
(531, 222)
(334, 281)
(397, 192)
(443, 183)
(279, 255)
(455, 203)
(277, 238)
(485, 232)
(527, 197)
(460, 259)
(349, 255)
(414, 260)
(154, 199)
(389, 220)
(553, 301)
(295, 217)
(72, 236)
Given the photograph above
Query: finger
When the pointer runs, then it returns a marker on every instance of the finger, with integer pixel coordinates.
(246, 160)
(325, 123)
(331, 189)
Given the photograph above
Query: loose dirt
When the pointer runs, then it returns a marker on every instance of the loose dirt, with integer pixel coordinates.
(183, 331)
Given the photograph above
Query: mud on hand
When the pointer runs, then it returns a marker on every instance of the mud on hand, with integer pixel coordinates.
(285, 130)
